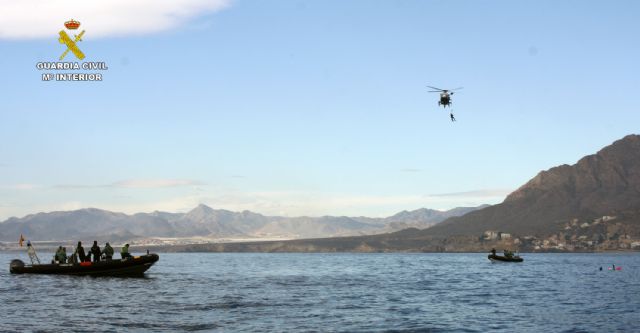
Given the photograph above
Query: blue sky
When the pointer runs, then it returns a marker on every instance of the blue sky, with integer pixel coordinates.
(309, 107)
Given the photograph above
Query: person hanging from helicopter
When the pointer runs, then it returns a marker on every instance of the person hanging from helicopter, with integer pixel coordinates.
(445, 98)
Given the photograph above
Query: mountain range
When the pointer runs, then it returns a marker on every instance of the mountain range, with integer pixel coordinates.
(593, 205)
(206, 222)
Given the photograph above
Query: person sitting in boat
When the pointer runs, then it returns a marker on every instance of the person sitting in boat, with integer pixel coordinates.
(80, 252)
(124, 252)
(508, 254)
(107, 251)
(95, 251)
(61, 255)
(56, 257)
(73, 258)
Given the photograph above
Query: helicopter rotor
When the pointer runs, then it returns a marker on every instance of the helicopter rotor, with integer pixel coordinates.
(446, 91)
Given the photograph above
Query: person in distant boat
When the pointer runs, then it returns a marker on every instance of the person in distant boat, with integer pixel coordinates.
(493, 252)
(124, 252)
(108, 251)
(95, 251)
(80, 252)
(452, 117)
(32, 253)
(56, 257)
(508, 253)
(73, 258)
(63, 255)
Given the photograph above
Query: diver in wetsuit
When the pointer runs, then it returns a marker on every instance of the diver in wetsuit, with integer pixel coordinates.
(452, 117)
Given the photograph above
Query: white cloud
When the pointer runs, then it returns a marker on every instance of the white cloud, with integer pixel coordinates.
(21, 187)
(21, 19)
(138, 183)
(156, 183)
(484, 193)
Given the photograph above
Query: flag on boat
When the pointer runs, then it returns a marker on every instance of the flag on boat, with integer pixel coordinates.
(21, 240)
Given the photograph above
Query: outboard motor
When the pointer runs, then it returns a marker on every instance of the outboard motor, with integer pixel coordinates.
(15, 266)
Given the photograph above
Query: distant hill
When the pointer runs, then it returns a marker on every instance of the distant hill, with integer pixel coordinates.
(603, 184)
(204, 221)
(424, 218)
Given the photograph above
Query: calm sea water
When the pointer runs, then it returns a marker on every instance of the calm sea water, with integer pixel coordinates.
(334, 292)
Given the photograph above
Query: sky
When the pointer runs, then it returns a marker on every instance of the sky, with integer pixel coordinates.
(307, 107)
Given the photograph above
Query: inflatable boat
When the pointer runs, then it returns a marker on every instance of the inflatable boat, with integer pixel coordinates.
(497, 258)
(134, 266)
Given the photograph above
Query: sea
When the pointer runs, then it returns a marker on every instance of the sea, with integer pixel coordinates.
(334, 292)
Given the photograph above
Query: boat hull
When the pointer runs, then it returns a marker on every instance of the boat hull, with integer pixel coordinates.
(135, 266)
(497, 258)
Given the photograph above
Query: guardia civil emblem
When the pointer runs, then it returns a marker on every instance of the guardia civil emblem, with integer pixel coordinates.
(71, 43)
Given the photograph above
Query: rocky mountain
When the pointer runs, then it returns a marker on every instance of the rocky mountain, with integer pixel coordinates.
(604, 184)
(204, 221)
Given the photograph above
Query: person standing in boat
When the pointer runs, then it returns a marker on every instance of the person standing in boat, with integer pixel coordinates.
(32, 253)
(108, 251)
(95, 251)
(80, 252)
(124, 252)
(493, 251)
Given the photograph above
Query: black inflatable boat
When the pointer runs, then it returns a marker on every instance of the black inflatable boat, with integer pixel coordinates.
(134, 266)
(494, 258)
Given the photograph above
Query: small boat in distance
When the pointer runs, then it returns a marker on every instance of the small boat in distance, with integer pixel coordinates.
(508, 256)
(134, 266)
(494, 258)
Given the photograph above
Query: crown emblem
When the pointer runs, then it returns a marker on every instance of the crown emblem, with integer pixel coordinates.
(72, 25)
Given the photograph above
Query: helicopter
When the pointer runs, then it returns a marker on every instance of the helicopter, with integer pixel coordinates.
(445, 95)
